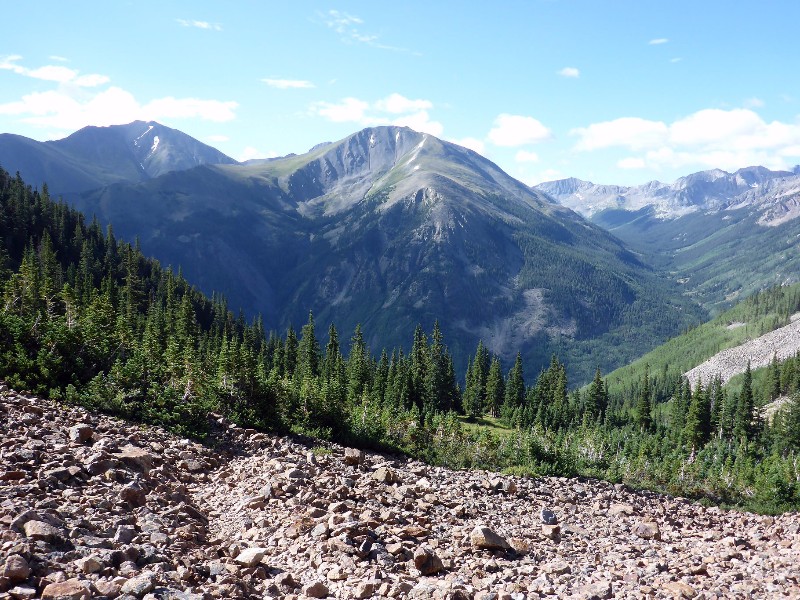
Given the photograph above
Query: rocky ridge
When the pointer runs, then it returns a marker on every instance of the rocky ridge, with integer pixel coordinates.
(94, 507)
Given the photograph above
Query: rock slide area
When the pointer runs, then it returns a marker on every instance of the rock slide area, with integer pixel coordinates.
(759, 352)
(94, 507)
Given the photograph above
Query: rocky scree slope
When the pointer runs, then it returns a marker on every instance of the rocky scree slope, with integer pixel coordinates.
(94, 507)
(759, 352)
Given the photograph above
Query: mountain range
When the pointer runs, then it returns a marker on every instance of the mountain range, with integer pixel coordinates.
(720, 235)
(98, 156)
(388, 228)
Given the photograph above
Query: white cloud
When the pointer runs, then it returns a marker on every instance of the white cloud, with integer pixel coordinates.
(526, 156)
(58, 58)
(709, 138)
(54, 73)
(571, 72)
(658, 41)
(753, 103)
(471, 143)
(396, 104)
(632, 162)
(677, 59)
(199, 24)
(59, 110)
(287, 84)
(395, 109)
(630, 132)
(347, 110)
(518, 130)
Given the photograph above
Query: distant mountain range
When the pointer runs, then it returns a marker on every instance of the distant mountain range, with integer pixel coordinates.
(776, 191)
(388, 228)
(721, 235)
(98, 156)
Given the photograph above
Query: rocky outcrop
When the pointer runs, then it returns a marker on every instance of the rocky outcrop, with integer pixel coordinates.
(251, 515)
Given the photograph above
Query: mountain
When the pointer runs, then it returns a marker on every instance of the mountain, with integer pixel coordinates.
(388, 228)
(720, 235)
(98, 156)
(704, 191)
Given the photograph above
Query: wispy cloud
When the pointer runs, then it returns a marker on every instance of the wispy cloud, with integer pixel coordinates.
(288, 84)
(58, 58)
(658, 41)
(753, 103)
(570, 72)
(349, 29)
(199, 24)
(395, 109)
(54, 73)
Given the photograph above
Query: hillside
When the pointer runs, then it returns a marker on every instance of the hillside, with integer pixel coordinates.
(736, 329)
(93, 507)
(389, 228)
(98, 156)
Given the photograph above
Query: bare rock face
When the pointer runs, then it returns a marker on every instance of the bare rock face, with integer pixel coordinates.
(260, 516)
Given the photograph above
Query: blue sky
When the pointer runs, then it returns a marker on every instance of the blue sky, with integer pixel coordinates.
(611, 91)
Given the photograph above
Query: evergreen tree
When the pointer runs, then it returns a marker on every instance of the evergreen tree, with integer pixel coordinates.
(698, 420)
(308, 352)
(495, 388)
(743, 424)
(643, 409)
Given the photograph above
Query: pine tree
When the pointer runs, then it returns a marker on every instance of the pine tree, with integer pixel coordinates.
(495, 388)
(308, 352)
(743, 423)
(698, 419)
(643, 409)
(596, 399)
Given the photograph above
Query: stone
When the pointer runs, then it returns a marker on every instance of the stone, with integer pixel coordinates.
(133, 494)
(551, 531)
(385, 475)
(285, 580)
(23, 592)
(80, 433)
(598, 590)
(679, 589)
(426, 561)
(364, 590)
(39, 530)
(484, 538)
(90, 564)
(139, 586)
(548, 517)
(647, 530)
(136, 458)
(353, 456)
(124, 534)
(71, 589)
(16, 569)
(250, 557)
(316, 590)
